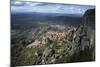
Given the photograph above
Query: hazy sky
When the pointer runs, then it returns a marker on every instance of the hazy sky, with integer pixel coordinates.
(22, 7)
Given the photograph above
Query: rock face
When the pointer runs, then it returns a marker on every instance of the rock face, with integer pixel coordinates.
(85, 36)
(89, 26)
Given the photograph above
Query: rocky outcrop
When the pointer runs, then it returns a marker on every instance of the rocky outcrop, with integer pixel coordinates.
(85, 36)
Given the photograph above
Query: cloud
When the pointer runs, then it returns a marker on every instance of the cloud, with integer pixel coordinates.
(32, 4)
(17, 2)
(48, 7)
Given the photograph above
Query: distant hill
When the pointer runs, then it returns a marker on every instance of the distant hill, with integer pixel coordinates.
(46, 17)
